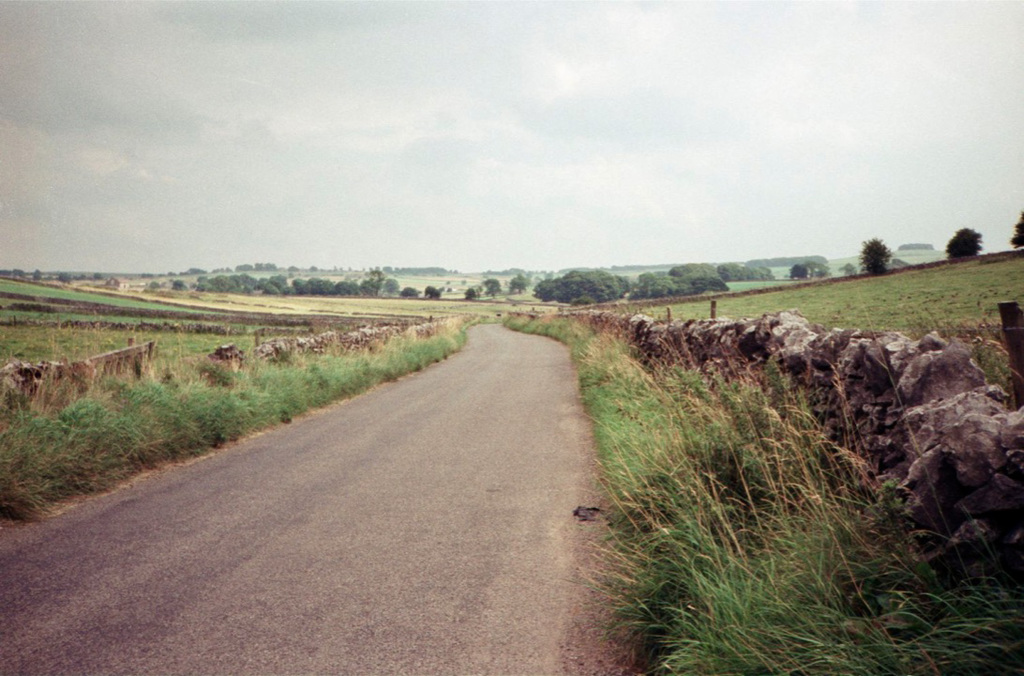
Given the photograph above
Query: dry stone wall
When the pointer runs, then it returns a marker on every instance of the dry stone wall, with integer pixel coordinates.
(360, 338)
(919, 411)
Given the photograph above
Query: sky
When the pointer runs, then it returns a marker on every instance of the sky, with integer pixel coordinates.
(155, 137)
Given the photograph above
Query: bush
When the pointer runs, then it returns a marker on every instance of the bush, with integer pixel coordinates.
(965, 242)
(875, 256)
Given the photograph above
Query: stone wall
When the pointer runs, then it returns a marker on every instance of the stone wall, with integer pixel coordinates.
(919, 411)
(360, 338)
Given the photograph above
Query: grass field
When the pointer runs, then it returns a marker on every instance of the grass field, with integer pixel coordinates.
(78, 436)
(81, 295)
(54, 342)
(742, 541)
(946, 299)
(342, 306)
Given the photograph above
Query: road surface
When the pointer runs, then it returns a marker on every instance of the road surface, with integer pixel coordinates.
(423, 528)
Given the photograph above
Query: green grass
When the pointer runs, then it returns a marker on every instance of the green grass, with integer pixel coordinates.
(79, 438)
(946, 299)
(743, 542)
(44, 291)
(55, 343)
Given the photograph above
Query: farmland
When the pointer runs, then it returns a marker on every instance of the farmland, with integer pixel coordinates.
(944, 298)
(44, 322)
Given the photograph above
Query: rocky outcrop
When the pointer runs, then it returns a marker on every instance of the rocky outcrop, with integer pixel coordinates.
(919, 412)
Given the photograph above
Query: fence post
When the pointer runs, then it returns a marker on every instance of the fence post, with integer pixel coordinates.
(668, 311)
(714, 309)
(1013, 338)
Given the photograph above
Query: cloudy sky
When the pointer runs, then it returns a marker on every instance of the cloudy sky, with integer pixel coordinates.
(153, 137)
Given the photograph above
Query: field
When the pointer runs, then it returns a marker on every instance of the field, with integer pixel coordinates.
(36, 320)
(948, 299)
(743, 540)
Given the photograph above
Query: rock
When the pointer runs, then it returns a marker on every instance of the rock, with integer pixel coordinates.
(933, 493)
(228, 354)
(918, 411)
(939, 374)
(1011, 432)
(1001, 494)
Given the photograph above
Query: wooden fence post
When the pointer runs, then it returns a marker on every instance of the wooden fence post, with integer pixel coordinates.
(1013, 338)
(668, 311)
(714, 309)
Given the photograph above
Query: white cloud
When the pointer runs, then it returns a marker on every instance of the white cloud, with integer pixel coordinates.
(494, 135)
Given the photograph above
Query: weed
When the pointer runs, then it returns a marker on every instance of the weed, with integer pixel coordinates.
(117, 427)
(744, 542)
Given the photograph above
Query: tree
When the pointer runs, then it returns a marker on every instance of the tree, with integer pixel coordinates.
(965, 242)
(875, 256)
(432, 292)
(492, 287)
(347, 287)
(597, 285)
(518, 284)
(1018, 233)
(373, 285)
(818, 270)
(391, 287)
(798, 271)
(409, 292)
(848, 269)
(179, 285)
(472, 293)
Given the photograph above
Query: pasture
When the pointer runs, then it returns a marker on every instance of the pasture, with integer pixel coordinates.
(948, 299)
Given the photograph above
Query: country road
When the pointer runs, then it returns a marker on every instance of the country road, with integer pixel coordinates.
(423, 528)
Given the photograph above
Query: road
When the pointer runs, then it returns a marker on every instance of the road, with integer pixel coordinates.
(423, 528)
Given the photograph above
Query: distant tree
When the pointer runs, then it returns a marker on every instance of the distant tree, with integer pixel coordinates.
(875, 256)
(391, 287)
(154, 285)
(245, 267)
(179, 285)
(472, 293)
(409, 292)
(432, 292)
(848, 269)
(347, 287)
(818, 270)
(799, 271)
(64, 277)
(373, 285)
(964, 243)
(492, 287)
(1018, 233)
(37, 275)
(518, 284)
(597, 285)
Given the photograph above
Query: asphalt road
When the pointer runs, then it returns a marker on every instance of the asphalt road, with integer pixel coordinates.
(423, 528)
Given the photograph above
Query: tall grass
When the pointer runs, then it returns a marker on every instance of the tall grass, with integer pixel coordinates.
(87, 442)
(743, 542)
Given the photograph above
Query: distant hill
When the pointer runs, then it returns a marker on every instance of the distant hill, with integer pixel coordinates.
(916, 247)
(785, 262)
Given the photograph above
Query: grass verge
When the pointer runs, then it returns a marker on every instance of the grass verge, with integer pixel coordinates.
(743, 542)
(93, 440)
